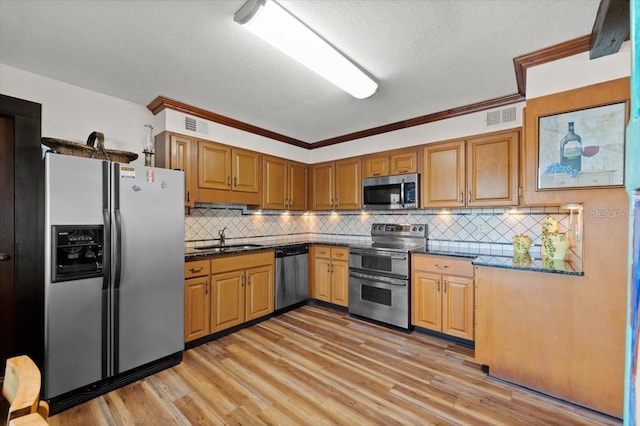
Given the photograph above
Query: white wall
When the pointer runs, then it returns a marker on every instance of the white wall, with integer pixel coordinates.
(70, 112)
(577, 71)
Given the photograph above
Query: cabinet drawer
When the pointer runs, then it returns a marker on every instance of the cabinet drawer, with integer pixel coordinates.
(196, 268)
(235, 262)
(443, 265)
(322, 251)
(340, 253)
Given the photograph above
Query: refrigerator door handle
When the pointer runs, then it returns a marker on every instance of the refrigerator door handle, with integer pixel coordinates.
(106, 269)
(118, 250)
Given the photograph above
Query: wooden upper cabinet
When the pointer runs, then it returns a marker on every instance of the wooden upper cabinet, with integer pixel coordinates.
(285, 184)
(478, 172)
(348, 184)
(376, 166)
(492, 170)
(227, 174)
(443, 176)
(390, 164)
(406, 162)
(175, 151)
(298, 183)
(323, 191)
(274, 190)
(245, 169)
(214, 166)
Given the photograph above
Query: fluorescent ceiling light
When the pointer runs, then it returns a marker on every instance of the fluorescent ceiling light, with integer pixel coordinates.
(276, 26)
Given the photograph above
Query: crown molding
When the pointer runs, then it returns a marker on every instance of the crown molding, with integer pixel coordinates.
(548, 54)
(521, 63)
(160, 103)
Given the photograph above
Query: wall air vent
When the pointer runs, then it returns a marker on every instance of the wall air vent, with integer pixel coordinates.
(190, 124)
(197, 126)
(500, 116)
(493, 118)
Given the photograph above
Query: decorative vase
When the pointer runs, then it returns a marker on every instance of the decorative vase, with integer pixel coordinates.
(521, 243)
(549, 224)
(521, 259)
(555, 245)
(556, 264)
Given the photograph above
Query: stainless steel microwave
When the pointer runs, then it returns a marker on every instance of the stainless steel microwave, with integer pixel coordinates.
(391, 192)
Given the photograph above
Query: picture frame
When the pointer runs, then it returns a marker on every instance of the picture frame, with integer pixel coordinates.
(582, 148)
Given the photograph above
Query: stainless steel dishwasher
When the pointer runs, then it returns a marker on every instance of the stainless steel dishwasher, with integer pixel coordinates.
(292, 275)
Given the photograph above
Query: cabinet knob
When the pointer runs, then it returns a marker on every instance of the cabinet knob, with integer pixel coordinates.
(4, 257)
(469, 195)
(461, 197)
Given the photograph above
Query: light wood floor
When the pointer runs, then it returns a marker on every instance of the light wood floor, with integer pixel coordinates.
(316, 366)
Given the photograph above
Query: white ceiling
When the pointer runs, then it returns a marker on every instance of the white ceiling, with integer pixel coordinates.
(427, 56)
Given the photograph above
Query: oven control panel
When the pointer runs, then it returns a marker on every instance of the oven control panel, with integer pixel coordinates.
(400, 230)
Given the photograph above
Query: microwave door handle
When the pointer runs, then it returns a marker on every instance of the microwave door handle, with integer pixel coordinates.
(402, 193)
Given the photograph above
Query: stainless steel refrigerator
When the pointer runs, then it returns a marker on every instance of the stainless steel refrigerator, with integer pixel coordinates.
(114, 266)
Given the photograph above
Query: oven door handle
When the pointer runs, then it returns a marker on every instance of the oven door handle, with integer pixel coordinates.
(399, 282)
(402, 192)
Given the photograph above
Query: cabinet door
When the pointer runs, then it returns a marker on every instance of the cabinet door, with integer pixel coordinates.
(376, 166)
(404, 163)
(196, 308)
(348, 184)
(426, 298)
(457, 307)
(259, 288)
(245, 170)
(492, 170)
(444, 175)
(274, 189)
(322, 279)
(214, 166)
(340, 282)
(182, 158)
(227, 300)
(323, 186)
(298, 184)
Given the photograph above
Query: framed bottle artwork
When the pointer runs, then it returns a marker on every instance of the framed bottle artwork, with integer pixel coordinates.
(583, 148)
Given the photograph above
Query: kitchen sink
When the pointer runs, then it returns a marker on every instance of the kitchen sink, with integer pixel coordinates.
(217, 248)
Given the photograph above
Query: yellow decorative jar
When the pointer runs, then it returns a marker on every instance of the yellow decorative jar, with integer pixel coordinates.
(549, 224)
(521, 259)
(556, 245)
(521, 243)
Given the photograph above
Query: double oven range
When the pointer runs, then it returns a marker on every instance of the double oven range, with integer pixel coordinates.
(379, 273)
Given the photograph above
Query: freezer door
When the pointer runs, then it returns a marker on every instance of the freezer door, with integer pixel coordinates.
(75, 310)
(148, 253)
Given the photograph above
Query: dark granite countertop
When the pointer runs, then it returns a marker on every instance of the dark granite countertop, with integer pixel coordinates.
(519, 262)
(193, 253)
(524, 262)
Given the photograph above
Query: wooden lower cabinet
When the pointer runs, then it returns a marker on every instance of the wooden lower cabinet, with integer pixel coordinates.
(196, 299)
(330, 274)
(243, 289)
(226, 291)
(443, 295)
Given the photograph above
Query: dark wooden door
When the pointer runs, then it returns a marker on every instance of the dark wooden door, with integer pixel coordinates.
(21, 231)
(7, 230)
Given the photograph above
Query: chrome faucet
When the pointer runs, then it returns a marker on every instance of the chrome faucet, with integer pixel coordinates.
(222, 236)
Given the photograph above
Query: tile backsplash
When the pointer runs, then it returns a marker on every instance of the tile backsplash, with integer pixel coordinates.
(485, 231)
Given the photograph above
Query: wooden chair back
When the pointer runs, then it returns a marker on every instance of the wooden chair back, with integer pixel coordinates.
(21, 389)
